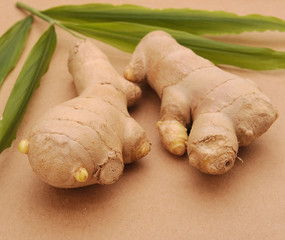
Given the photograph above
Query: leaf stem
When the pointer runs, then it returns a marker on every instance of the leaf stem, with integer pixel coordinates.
(35, 12)
(45, 17)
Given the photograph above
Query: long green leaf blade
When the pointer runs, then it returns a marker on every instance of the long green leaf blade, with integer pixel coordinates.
(126, 36)
(12, 44)
(34, 68)
(199, 22)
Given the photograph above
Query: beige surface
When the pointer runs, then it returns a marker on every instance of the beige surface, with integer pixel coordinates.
(161, 196)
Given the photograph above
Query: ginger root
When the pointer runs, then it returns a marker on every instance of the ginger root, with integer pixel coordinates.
(226, 111)
(87, 140)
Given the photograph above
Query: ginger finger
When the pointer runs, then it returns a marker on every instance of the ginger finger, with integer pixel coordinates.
(173, 135)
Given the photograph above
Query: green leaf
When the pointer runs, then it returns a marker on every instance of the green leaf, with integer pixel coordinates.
(11, 46)
(199, 22)
(34, 68)
(126, 36)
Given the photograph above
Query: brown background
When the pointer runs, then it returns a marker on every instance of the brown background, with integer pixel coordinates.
(160, 196)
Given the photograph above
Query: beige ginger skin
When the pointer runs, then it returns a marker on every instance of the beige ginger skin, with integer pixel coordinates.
(88, 139)
(225, 111)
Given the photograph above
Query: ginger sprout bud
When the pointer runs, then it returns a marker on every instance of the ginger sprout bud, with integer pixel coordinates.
(81, 174)
(24, 146)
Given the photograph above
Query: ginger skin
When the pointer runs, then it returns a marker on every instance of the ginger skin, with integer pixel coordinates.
(226, 111)
(88, 139)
